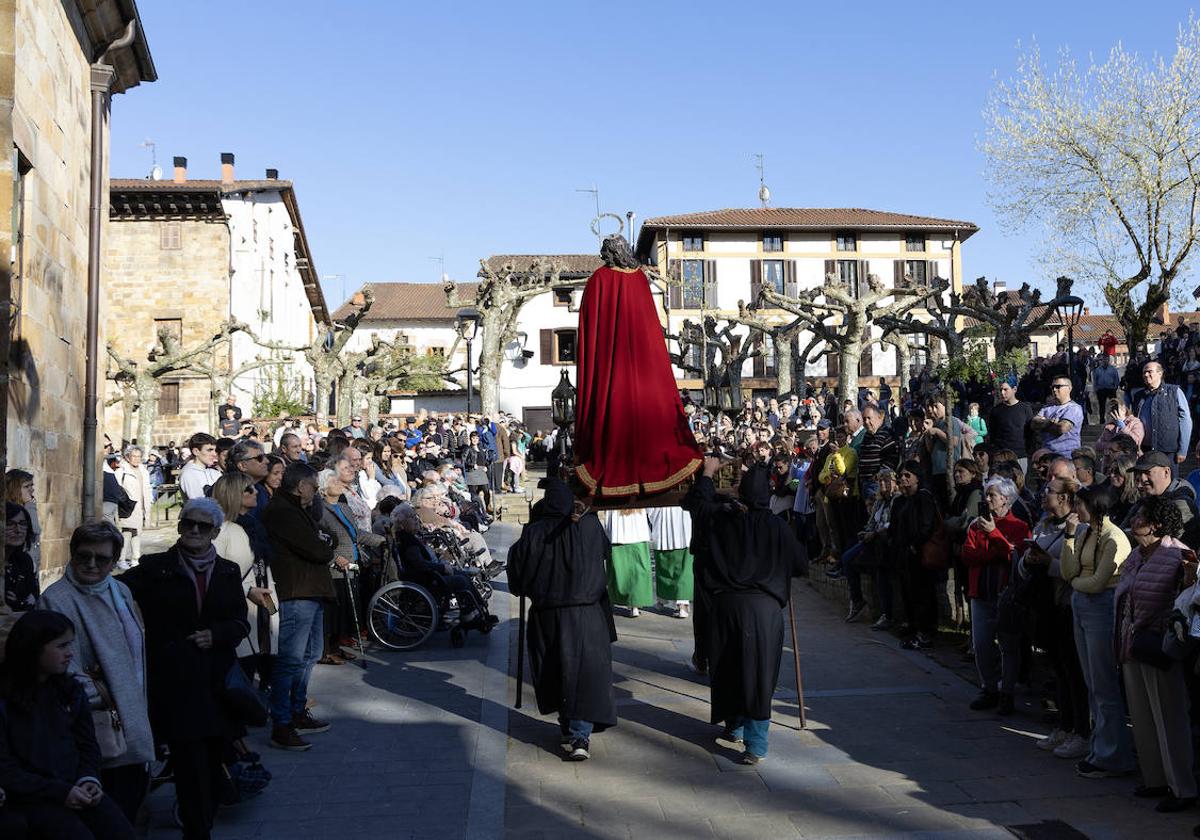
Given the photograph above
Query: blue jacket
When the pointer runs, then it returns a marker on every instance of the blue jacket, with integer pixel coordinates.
(1167, 418)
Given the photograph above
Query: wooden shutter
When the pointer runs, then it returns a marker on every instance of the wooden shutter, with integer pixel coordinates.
(930, 271)
(833, 364)
(674, 285)
(760, 366)
(547, 341)
(756, 272)
(898, 274)
(168, 401)
(830, 268)
(710, 284)
(790, 287)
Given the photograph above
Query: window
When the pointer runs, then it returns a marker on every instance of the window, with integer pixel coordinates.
(847, 272)
(914, 242)
(847, 242)
(170, 236)
(564, 347)
(915, 272)
(563, 297)
(172, 327)
(772, 274)
(693, 242)
(436, 351)
(168, 399)
(772, 242)
(693, 284)
(919, 352)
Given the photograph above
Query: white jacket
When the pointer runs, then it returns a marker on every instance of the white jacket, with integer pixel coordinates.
(135, 481)
(671, 528)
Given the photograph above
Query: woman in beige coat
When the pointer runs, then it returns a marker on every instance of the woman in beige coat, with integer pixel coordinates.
(135, 481)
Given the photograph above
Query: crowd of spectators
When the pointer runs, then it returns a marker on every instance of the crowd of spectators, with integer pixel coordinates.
(133, 662)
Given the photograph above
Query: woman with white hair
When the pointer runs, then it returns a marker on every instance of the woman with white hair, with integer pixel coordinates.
(134, 479)
(992, 539)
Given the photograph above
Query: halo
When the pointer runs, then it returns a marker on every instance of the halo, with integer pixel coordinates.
(596, 224)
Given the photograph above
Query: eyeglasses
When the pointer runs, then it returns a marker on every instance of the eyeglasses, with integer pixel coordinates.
(1060, 385)
(87, 558)
(195, 525)
(259, 457)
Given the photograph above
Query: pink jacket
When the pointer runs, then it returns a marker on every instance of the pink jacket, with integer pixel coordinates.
(1133, 428)
(1147, 591)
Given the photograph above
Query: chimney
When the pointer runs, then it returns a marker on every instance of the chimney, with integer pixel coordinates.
(1087, 311)
(180, 170)
(1164, 314)
(226, 167)
(999, 287)
(272, 174)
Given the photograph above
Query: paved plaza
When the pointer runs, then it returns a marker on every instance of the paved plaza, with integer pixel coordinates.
(427, 745)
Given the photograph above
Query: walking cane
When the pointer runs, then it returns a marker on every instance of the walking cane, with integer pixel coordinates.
(520, 652)
(796, 659)
(362, 654)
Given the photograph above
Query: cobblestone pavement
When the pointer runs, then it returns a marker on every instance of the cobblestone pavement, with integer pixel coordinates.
(426, 745)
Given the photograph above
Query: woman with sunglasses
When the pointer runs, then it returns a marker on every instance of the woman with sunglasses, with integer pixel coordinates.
(195, 615)
(108, 654)
(20, 577)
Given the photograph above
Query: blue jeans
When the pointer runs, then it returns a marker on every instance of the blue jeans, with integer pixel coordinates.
(753, 732)
(850, 570)
(1112, 747)
(300, 643)
(576, 730)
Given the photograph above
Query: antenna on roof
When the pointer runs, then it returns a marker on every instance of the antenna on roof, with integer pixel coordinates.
(764, 194)
(441, 261)
(595, 191)
(155, 169)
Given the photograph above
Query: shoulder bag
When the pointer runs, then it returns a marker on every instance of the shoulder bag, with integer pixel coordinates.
(935, 553)
(110, 733)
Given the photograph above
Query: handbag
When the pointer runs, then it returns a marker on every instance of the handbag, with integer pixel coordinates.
(935, 553)
(125, 506)
(837, 488)
(106, 721)
(241, 701)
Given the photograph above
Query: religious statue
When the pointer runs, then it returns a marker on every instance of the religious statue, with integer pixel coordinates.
(631, 434)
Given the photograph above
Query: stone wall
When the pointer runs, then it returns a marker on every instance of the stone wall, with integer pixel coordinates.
(145, 282)
(51, 130)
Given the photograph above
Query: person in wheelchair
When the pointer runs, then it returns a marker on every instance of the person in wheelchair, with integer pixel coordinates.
(419, 564)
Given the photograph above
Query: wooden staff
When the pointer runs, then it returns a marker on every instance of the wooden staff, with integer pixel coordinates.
(520, 651)
(796, 660)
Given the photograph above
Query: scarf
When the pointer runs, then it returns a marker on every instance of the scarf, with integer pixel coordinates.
(349, 526)
(197, 568)
(129, 622)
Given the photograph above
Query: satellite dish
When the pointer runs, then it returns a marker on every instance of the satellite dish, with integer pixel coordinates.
(156, 173)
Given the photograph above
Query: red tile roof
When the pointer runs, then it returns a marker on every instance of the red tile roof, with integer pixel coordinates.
(576, 265)
(808, 217)
(410, 302)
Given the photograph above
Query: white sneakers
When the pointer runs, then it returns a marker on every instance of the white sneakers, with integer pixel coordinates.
(1052, 741)
(1074, 746)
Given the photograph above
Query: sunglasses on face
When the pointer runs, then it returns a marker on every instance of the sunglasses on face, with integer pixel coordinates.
(85, 559)
(195, 526)
(259, 457)
(251, 491)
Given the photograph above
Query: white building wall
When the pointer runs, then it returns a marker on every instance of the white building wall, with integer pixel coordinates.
(266, 288)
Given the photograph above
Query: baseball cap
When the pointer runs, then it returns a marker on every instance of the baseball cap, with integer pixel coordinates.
(825, 424)
(1152, 459)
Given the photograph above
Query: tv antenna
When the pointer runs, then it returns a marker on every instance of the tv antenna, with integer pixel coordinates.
(155, 169)
(441, 261)
(595, 191)
(764, 194)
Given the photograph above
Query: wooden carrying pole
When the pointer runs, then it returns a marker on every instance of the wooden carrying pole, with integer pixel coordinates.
(796, 660)
(520, 652)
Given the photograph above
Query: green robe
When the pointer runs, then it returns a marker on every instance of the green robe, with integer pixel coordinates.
(630, 583)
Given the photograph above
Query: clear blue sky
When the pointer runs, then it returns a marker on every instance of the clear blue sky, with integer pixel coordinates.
(414, 130)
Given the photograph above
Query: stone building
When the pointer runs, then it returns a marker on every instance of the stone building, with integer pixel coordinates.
(185, 255)
(59, 61)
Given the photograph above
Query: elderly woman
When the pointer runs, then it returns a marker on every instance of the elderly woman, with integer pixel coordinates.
(195, 617)
(1093, 551)
(244, 541)
(987, 556)
(135, 481)
(354, 544)
(109, 655)
(914, 519)
(1155, 572)
(418, 563)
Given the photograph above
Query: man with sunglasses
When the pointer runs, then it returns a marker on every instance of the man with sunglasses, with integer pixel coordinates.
(249, 457)
(1060, 419)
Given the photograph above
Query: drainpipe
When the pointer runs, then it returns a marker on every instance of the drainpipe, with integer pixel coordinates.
(102, 76)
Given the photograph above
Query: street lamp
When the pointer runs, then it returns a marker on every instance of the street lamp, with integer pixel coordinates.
(562, 409)
(467, 320)
(1070, 309)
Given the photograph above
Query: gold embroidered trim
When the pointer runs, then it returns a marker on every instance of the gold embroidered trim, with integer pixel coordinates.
(634, 489)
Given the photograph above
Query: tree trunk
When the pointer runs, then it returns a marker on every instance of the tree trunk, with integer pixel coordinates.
(848, 356)
(347, 386)
(147, 394)
(128, 406)
(373, 400)
(490, 360)
(783, 346)
(322, 384)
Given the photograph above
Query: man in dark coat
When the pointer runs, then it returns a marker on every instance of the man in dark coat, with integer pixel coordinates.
(559, 564)
(743, 561)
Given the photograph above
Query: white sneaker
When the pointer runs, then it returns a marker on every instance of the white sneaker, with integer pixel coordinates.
(634, 612)
(1074, 747)
(682, 612)
(1051, 741)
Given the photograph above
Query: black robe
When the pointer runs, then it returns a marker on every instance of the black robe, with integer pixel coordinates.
(743, 560)
(559, 564)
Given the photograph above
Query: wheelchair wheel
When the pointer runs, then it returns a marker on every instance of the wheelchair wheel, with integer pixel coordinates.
(402, 615)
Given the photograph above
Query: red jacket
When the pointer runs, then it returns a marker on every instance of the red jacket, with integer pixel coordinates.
(991, 553)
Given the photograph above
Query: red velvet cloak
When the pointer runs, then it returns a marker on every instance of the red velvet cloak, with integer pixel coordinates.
(631, 435)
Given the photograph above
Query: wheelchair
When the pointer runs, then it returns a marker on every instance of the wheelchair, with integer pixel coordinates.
(403, 614)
